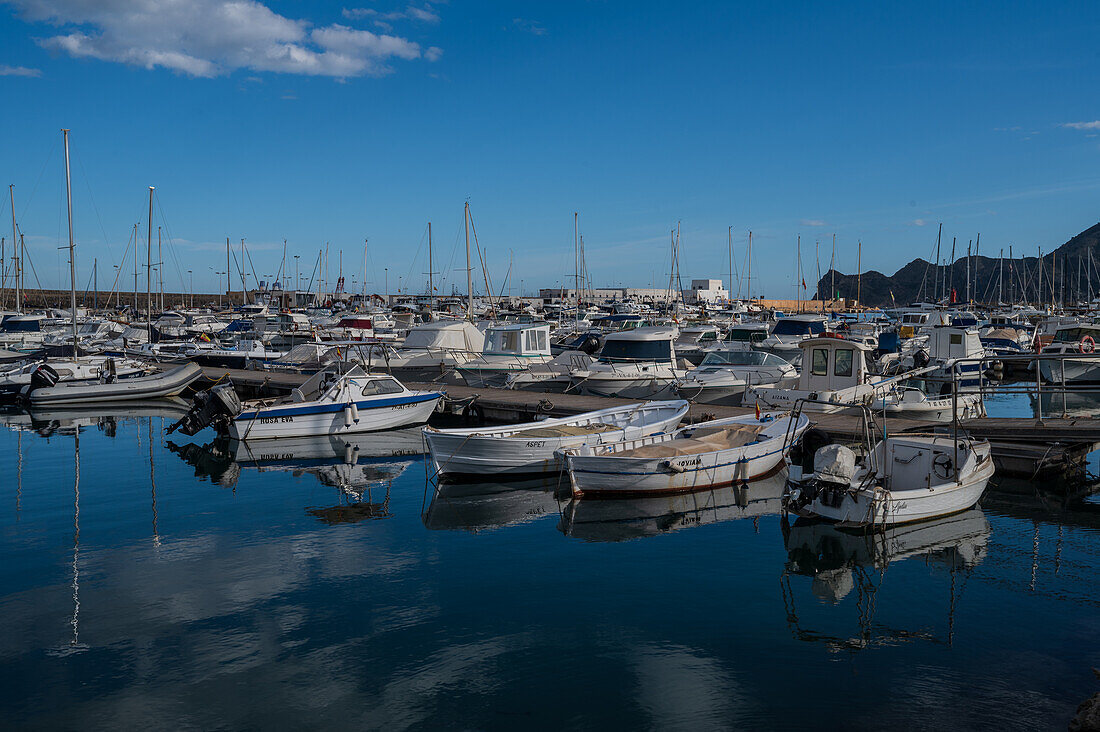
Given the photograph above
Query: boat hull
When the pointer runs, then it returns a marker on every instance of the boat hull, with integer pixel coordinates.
(463, 453)
(330, 419)
(167, 384)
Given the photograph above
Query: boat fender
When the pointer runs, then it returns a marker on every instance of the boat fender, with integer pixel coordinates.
(670, 466)
(351, 415)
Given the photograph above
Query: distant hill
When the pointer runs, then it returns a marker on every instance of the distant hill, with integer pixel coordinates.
(918, 279)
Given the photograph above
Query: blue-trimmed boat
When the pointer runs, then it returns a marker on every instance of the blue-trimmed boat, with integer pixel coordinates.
(340, 399)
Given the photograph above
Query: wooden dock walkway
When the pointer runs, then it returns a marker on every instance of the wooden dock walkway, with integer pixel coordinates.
(1024, 447)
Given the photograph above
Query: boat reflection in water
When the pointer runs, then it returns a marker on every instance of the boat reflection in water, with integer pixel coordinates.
(357, 465)
(620, 519)
(66, 419)
(479, 507)
(840, 562)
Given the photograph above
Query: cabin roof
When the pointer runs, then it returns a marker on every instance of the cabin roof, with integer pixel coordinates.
(643, 334)
(831, 342)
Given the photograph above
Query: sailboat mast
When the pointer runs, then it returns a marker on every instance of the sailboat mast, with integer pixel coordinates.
(936, 281)
(431, 280)
(730, 242)
(749, 273)
(18, 295)
(160, 270)
(228, 289)
(149, 269)
(577, 265)
(72, 251)
(469, 272)
(859, 271)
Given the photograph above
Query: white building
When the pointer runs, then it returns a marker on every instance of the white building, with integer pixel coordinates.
(710, 292)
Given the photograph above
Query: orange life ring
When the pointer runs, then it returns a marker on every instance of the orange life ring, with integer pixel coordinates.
(1086, 345)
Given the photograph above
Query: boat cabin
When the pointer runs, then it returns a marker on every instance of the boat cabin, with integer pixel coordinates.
(1076, 334)
(649, 344)
(948, 342)
(744, 358)
(748, 334)
(451, 335)
(832, 364)
(520, 339)
(340, 381)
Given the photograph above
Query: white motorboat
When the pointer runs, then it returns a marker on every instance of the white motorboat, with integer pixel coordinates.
(340, 399)
(431, 351)
(723, 376)
(704, 455)
(509, 350)
(1079, 341)
(903, 478)
(636, 364)
(45, 390)
(530, 447)
(87, 369)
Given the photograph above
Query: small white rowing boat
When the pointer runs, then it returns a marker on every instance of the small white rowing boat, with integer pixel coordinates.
(529, 448)
(703, 455)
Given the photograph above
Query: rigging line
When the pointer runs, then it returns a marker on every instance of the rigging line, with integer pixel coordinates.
(118, 270)
(95, 208)
(419, 248)
(171, 242)
(49, 157)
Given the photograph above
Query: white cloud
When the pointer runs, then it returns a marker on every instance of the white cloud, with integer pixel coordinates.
(212, 37)
(425, 14)
(1094, 125)
(917, 222)
(812, 222)
(19, 71)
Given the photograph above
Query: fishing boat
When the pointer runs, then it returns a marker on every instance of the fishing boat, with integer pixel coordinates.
(635, 364)
(704, 455)
(340, 399)
(529, 448)
(902, 478)
(45, 389)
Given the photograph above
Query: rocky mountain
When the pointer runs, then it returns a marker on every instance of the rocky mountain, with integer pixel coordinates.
(1068, 268)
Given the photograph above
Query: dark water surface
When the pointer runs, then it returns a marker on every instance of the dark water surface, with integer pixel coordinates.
(172, 586)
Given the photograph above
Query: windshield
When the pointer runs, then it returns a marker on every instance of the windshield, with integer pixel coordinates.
(1072, 335)
(798, 327)
(740, 358)
(746, 335)
(616, 350)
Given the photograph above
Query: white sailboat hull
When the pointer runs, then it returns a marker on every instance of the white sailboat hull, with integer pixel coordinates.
(299, 420)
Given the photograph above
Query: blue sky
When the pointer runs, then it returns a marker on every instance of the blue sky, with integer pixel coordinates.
(328, 123)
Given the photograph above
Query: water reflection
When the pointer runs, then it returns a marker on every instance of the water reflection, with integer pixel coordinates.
(66, 420)
(617, 519)
(840, 563)
(479, 506)
(362, 468)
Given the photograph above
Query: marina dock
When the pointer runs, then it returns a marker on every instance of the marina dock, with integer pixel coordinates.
(1022, 447)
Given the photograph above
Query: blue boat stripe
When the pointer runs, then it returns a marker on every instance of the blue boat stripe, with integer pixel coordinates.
(339, 407)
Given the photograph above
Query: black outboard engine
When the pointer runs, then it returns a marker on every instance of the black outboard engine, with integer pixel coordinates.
(43, 377)
(216, 407)
(590, 345)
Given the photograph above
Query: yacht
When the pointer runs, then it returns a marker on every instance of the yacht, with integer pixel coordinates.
(787, 333)
(723, 376)
(509, 350)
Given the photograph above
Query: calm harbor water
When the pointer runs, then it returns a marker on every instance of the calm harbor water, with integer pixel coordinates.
(167, 583)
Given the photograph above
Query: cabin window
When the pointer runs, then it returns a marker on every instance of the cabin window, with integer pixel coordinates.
(842, 365)
(956, 339)
(541, 334)
(820, 365)
(381, 386)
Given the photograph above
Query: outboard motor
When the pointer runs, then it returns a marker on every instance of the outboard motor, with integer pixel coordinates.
(590, 345)
(216, 407)
(834, 468)
(43, 377)
(920, 359)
